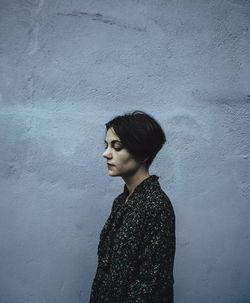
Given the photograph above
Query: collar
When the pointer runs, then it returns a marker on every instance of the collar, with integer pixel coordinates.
(153, 179)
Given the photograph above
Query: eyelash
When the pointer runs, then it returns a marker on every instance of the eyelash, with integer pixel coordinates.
(115, 148)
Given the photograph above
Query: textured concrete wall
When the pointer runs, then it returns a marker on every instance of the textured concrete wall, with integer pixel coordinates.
(67, 67)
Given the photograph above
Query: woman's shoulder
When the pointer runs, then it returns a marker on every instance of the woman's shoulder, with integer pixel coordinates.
(158, 201)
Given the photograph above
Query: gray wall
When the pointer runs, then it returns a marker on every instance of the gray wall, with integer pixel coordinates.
(67, 67)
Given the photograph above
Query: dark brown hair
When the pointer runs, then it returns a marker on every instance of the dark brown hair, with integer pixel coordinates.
(140, 134)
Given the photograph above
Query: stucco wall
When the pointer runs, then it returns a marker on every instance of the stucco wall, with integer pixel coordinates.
(67, 67)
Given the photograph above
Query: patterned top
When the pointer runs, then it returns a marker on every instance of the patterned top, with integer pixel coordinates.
(136, 249)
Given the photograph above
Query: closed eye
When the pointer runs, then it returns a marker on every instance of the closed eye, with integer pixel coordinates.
(115, 148)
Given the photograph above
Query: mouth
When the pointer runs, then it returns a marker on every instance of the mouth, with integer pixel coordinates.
(110, 165)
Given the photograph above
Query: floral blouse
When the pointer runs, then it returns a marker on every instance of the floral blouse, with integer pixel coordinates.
(136, 249)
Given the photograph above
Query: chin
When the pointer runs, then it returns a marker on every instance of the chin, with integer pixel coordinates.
(113, 174)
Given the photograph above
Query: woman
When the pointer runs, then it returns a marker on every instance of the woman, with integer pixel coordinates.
(137, 243)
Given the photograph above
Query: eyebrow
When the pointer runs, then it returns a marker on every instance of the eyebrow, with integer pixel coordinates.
(113, 141)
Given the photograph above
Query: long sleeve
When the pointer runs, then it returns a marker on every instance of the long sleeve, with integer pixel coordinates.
(136, 249)
(153, 281)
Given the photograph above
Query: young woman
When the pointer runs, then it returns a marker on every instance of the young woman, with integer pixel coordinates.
(137, 243)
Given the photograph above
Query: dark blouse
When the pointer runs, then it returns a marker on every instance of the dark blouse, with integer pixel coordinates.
(136, 249)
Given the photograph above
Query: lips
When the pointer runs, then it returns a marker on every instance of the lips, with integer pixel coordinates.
(110, 164)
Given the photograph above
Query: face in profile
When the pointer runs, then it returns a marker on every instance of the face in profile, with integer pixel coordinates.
(122, 163)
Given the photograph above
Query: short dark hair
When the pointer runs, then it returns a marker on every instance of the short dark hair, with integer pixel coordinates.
(140, 134)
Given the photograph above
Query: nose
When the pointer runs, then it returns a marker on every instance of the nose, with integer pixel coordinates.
(107, 154)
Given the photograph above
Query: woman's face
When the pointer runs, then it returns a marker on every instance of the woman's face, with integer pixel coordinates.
(123, 163)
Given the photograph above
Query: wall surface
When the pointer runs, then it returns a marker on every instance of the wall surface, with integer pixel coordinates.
(68, 67)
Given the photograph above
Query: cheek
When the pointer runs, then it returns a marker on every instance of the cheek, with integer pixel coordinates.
(129, 161)
(124, 159)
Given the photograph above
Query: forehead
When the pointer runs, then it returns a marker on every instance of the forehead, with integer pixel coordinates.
(111, 136)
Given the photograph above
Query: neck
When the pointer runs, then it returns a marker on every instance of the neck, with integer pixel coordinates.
(135, 179)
